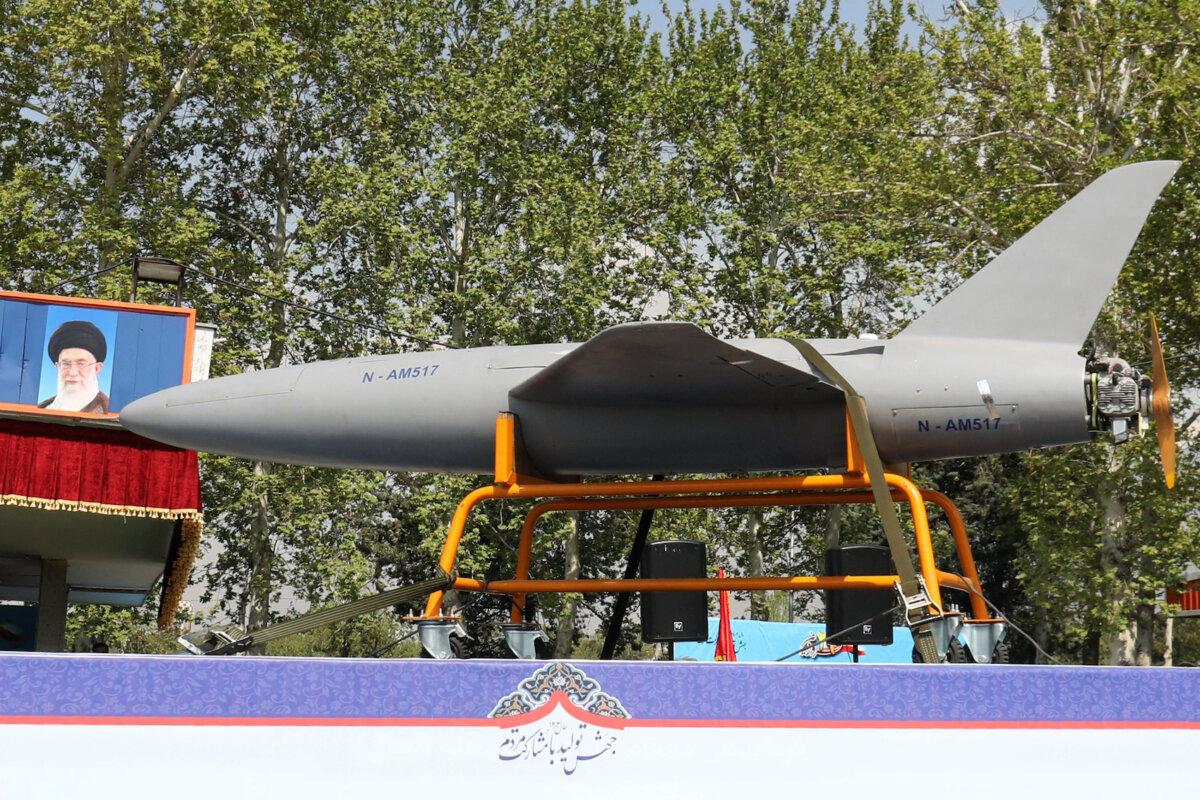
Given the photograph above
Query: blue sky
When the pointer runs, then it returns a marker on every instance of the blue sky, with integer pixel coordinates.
(853, 11)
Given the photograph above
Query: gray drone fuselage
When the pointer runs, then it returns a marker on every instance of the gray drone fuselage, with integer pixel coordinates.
(992, 368)
(436, 411)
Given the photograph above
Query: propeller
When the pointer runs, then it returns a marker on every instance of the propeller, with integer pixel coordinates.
(1160, 405)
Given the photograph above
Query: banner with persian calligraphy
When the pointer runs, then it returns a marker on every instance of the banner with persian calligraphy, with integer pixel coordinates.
(301, 728)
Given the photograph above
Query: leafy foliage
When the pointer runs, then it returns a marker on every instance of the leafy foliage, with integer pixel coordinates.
(485, 172)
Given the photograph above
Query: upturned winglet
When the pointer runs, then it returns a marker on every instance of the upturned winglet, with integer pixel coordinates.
(1050, 285)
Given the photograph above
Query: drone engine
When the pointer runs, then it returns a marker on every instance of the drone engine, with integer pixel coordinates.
(1118, 396)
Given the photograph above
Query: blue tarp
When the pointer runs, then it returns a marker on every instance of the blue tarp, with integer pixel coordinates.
(771, 641)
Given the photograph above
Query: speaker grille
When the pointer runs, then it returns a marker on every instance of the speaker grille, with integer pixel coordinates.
(674, 616)
(868, 611)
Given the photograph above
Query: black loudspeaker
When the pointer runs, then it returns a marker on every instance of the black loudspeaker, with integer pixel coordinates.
(674, 616)
(869, 611)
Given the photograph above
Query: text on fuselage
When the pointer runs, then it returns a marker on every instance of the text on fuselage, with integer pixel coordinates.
(959, 424)
(407, 373)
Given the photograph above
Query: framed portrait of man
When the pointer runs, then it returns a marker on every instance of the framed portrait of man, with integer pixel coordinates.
(74, 378)
(86, 359)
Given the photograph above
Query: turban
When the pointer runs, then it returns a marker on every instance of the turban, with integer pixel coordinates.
(81, 334)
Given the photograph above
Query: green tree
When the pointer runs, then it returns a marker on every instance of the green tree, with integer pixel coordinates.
(796, 139)
(1031, 116)
(94, 153)
(500, 181)
(256, 146)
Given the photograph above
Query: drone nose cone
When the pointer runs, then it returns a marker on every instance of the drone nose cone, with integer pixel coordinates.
(214, 415)
(148, 416)
(168, 416)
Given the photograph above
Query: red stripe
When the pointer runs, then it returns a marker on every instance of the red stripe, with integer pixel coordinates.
(408, 722)
(557, 700)
(930, 724)
(256, 722)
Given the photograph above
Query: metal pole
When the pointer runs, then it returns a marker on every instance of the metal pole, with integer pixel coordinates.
(622, 603)
(791, 571)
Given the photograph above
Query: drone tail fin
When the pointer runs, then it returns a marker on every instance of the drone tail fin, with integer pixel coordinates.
(1050, 285)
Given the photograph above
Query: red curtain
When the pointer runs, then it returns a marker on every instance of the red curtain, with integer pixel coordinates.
(1188, 599)
(45, 465)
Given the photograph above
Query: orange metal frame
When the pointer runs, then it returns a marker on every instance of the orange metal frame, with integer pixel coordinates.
(851, 487)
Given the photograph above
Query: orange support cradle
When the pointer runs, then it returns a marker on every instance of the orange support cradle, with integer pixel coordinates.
(853, 486)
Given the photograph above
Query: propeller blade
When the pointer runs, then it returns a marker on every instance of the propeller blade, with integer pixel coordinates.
(1160, 404)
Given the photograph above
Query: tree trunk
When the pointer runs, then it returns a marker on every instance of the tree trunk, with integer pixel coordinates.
(833, 528)
(1144, 637)
(1041, 637)
(262, 557)
(262, 550)
(564, 639)
(1120, 648)
(1169, 642)
(114, 74)
(758, 600)
(462, 232)
(1094, 639)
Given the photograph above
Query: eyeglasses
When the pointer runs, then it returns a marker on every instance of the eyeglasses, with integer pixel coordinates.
(78, 366)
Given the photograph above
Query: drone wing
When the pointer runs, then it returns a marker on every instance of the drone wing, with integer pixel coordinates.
(668, 364)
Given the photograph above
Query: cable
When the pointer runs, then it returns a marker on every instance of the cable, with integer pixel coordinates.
(1000, 614)
(858, 624)
(1172, 357)
(61, 284)
(387, 647)
(319, 312)
(379, 653)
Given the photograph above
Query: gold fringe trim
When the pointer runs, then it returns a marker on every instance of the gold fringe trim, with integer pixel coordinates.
(100, 508)
(180, 571)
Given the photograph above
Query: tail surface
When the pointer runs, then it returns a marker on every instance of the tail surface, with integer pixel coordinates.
(1050, 284)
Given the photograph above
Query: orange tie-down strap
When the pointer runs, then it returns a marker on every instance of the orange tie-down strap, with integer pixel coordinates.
(911, 587)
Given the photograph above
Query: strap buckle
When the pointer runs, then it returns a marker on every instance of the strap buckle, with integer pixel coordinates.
(916, 605)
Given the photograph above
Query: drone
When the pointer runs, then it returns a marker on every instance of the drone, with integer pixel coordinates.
(994, 367)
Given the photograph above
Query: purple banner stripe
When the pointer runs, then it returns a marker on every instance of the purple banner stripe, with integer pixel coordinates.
(180, 686)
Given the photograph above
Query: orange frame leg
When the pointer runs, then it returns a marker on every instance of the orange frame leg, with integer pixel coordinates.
(458, 524)
(704, 486)
(962, 547)
(721, 492)
(525, 544)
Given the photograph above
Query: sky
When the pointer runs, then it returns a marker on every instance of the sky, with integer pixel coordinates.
(853, 11)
